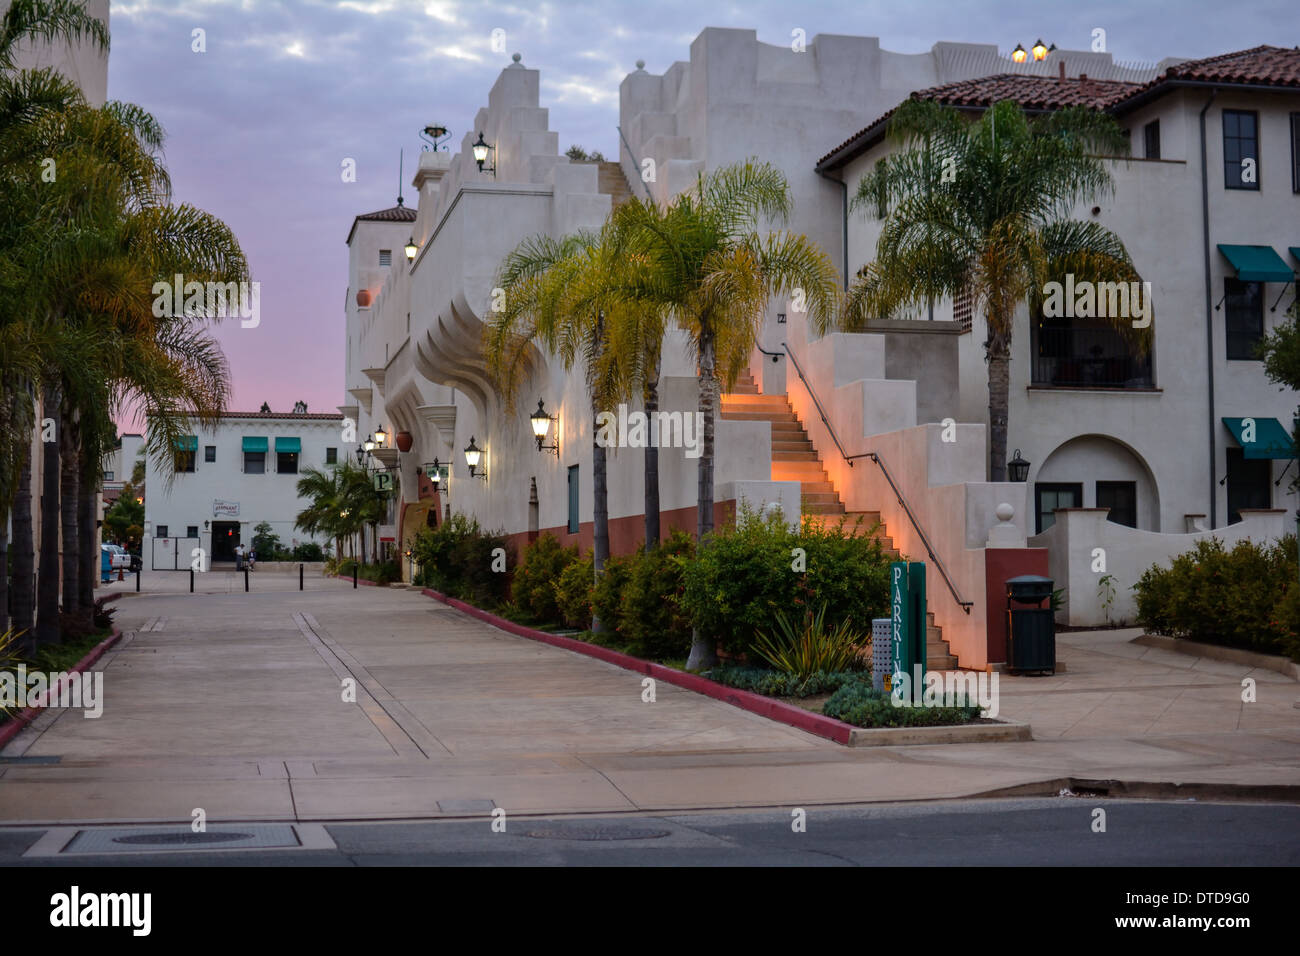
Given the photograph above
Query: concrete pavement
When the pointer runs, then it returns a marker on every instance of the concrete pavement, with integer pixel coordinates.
(234, 703)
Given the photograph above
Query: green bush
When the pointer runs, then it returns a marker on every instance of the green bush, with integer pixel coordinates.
(650, 617)
(572, 591)
(345, 567)
(457, 558)
(539, 570)
(384, 573)
(748, 572)
(308, 551)
(808, 646)
(1244, 597)
(857, 703)
(608, 594)
(770, 683)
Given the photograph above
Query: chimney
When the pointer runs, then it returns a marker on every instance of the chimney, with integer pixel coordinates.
(1061, 70)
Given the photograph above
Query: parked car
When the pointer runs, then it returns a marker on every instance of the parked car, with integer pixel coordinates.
(120, 559)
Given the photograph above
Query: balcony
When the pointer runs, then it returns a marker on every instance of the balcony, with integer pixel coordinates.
(1073, 355)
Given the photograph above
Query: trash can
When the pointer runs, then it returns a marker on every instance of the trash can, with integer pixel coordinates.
(1031, 631)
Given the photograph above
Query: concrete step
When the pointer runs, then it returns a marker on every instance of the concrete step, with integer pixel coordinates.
(822, 498)
(759, 415)
(796, 456)
(784, 445)
(798, 471)
(816, 487)
(817, 508)
(762, 401)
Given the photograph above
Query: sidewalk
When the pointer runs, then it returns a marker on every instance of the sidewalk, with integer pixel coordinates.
(233, 703)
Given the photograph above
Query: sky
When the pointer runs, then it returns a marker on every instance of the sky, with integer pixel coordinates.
(260, 122)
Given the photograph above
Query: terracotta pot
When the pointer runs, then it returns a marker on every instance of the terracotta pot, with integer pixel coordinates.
(364, 298)
(404, 441)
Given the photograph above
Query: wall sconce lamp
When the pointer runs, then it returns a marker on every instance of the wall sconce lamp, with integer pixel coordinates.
(481, 148)
(1040, 51)
(411, 249)
(381, 437)
(1019, 55)
(434, 473)
(473, 455)
(1017, 467)
(541, 423)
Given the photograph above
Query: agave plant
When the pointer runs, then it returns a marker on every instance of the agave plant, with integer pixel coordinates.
(809, 646)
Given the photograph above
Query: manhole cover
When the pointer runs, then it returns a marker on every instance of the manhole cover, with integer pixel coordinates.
(608, 832)
(180, 839)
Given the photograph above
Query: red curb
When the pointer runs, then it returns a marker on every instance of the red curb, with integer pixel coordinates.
(11, 728)
(776, 710)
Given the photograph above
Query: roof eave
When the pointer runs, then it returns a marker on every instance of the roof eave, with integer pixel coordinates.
(1143, 97)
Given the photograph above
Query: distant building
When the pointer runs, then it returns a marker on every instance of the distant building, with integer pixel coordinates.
(231, 478)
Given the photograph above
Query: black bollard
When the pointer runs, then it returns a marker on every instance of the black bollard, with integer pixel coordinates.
(300, 577)
(245, 578)
(137, 579)
(354, 575)
(191, 580)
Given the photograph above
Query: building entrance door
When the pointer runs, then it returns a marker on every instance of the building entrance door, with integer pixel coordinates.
(225, 537)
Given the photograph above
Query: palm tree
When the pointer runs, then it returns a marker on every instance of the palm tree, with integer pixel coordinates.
(323, 491)
(981, 209)
(712, 266)
(49, 21)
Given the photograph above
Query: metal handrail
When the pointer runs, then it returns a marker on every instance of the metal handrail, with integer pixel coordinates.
(880, 463)
(628, 147)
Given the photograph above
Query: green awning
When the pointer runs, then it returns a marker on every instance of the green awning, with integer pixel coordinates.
(187, 443)
(254, 444)
(1295, 251)
(1257, 263)
(289, 444)
(1270, 439)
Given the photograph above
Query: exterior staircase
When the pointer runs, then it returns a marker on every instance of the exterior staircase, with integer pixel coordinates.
(795, 459)
(611, 181)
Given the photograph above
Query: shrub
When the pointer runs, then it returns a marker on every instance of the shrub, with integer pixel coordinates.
(457, 558)
(346, 566)
(572, 593)
(1244, 597)
(539, 570)
(650, 617)
(307, 551)
(808, 646)
(607, 595)
(770, 683)
(384, 573)
(857, 703)
(748, 572)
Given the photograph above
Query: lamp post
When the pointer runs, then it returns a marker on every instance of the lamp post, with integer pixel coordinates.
(1017, 467)
(541, 423)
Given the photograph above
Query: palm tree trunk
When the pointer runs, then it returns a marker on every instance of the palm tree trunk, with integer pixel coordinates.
(22, 553)
(47, 581)
(652, 468)
(87, 496)
(999, 389)
(600, 508)
(703, 653)
(68, 506)
(4, 574)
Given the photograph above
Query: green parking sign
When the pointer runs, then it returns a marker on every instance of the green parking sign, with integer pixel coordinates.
(907, 622)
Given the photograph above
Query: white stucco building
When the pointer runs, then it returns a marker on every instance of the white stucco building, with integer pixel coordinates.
(232, 477)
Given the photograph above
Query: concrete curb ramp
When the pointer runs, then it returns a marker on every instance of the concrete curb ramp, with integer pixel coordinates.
(779, 711)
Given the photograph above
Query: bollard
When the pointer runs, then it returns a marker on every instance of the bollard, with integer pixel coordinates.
(245, 578)
(119, 575)
(191, 580)
(137, 578)
(300, 577)
(354, 575)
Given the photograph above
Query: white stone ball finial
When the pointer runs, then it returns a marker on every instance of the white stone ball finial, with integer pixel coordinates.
(1004, 512)
(516, 58)
(640, 64)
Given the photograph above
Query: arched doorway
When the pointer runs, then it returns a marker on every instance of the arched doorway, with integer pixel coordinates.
(1096, 471)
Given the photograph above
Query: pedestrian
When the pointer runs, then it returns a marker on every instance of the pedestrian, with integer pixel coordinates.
(239, 557)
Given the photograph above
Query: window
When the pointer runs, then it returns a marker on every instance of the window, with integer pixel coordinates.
(254, 462)
(1121, 498)
(573, 499)
(1240, 143)
(385, 257)
(1295, 152)
(192, 531)
(286, 462)
(1151, 140)
(108, 476)
(331, 456)
(961, 312)
(1248, 483)
(162, 531)
(1049, 496)
(1243, 304)
(184, 461)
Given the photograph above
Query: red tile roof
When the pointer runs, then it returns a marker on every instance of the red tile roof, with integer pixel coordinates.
(398, 213)
(1258, 66)
(1034, 93)
(299, 416)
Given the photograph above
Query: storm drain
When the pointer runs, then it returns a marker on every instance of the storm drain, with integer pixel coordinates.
(137, 839)
(28, 760)
(601, 832)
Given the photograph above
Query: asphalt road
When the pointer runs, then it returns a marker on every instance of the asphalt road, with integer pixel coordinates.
(1023, 832)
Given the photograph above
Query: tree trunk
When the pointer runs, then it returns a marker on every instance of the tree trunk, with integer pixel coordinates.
(652, 467)
(4, 575)
(22, 553)
(999, 386)
(68, 507)
(87, 499)
(703, 653)
(600, 508)
(47, 580)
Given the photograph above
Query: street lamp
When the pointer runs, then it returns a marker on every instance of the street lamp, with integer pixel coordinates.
(473, 455)
(1017, 467)
(1018, 54)
(1040, 51)
(381, 436)
(481, 148)
(541, 423)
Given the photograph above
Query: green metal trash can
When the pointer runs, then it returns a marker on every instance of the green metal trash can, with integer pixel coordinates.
(1031, 631)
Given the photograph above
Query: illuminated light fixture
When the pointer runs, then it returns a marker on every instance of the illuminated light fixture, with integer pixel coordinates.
(541, 423)
(381, 436)
(1040, 51)
(1019, 55)
(481, 148)
(434, 134)
(367, 445)
(411, 249)
(1017, 467)
(473, 455)
(434, 473)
